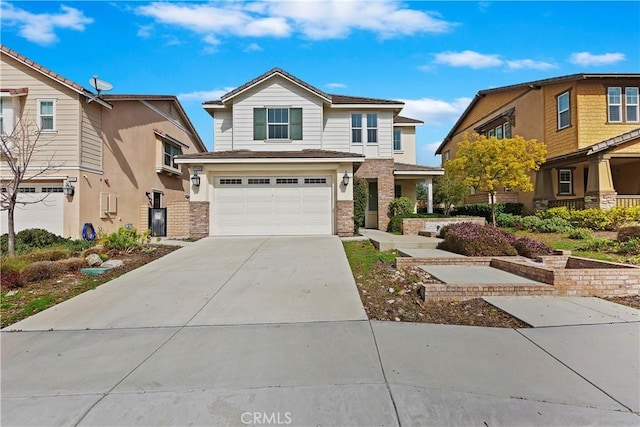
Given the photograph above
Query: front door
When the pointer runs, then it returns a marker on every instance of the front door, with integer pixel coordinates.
(371, 219)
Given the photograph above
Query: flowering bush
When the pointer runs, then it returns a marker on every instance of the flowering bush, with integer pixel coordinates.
(471, 239)
(595, 219)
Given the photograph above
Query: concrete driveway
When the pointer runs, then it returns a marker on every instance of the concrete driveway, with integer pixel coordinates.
(271, 331)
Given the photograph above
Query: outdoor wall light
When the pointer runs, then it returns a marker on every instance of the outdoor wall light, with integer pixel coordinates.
(195, 179)
(345, 179)
(68, 189)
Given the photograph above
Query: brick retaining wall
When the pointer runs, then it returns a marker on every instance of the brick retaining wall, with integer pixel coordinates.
(433, 225)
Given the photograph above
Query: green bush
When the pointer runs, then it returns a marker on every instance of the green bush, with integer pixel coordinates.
(561, 212)
(581, 233)
(630, 247)
(360, 200)
(554, 225)
(35, 238)
(73, 264)
(401, 206)
(41, 270)
(597, 244)
(125, 240)
(594, 219)
(54, 254)
(628, 233)
(508, 220)
(513, 208)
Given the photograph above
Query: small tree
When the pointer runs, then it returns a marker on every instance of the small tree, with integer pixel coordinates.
(17, 152)
(449, 189)
(490, 163)
(360, 200)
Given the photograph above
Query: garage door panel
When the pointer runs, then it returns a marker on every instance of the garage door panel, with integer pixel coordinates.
(273, 209)
(47, 214)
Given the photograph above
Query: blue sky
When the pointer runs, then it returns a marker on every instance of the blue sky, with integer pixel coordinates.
(434, 56)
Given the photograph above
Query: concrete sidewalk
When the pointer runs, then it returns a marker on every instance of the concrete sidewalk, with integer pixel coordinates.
(222, 332)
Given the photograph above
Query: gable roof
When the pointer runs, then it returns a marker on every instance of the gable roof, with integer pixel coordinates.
(52, 75)
(300, 156)
(170, 98)
(326, 97)
(606, 145)
(535, 84)
(401, 120)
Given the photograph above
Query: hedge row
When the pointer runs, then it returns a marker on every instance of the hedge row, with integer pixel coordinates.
(484, 210)
(594, 219)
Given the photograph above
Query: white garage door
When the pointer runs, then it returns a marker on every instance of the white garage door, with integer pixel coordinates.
(299, 205)
(47, 214)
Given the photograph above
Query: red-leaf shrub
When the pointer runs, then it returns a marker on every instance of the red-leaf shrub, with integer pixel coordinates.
(10, 280)
(471, 239)
(530, 248)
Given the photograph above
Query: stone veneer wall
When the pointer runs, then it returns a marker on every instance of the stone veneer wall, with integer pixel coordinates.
(602, 200)
(382, 170)
(198, 219)
(178, 218)
(344, 218)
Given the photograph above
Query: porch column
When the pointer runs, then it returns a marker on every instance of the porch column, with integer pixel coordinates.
(429, 182)
(600, 192)
(543, 189)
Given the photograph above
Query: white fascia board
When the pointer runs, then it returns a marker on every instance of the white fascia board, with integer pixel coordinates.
(214, 107)
(368, 106)
(171, 139)
(271, 160)
(403, 125)
(284, 77)
(421, 173)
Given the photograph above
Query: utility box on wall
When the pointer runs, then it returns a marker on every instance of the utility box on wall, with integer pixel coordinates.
(108, 204)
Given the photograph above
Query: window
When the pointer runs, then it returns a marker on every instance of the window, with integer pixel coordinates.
(277, 123)
(170, 151)
(491, 133)
(52, 189)
(286, 180)
(397, 191)
(356, 128)
(614, 100)
(564, 114)
(565, 181)
(27, 190)
(397, 140)
(372, 128)
(315, 180)
(46, 114)
(507, 129)
(260, 181)
(230, 181)
(447, 155)
(631, 101)
(1, 116)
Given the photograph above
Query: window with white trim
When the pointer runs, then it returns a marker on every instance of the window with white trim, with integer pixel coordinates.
(565, 181)
(315, 180)
(397, 140)
(447, 155)
(614, 102)
(47, 114)
(286, 180)
(397, 191)
(259, 181)
(372, 128)
(356, 128)
(631, 104)
(277, 123)
(230, 181)
(170, 151)
(564, 112)
(1, 116)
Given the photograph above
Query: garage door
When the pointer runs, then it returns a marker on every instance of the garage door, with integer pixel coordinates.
(47, 214)
(298, 205)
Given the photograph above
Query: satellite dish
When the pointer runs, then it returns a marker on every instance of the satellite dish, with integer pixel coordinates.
(99, 86)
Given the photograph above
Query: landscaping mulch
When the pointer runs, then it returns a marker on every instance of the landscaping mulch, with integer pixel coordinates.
(31, 298)
(632, 301)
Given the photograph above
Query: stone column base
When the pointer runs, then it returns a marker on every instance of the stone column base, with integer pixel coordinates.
(602, 200)
(540, 204)
(344, 218)
(198, 219)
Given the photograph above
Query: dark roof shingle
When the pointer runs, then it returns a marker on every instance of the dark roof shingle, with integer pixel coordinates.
(248, 154)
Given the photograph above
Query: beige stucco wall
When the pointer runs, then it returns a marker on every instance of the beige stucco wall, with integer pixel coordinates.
(408, 145)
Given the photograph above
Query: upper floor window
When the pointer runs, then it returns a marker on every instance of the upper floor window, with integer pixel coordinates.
(46, 114)
(1, 116)
(277, 123)
(564, 112)
(397, 140)
(372, 128)
(615, 99)
(446, 155)
(356, 128)
(170, 151)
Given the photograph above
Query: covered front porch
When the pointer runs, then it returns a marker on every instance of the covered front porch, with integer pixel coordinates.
(407, 177)
(604, 175)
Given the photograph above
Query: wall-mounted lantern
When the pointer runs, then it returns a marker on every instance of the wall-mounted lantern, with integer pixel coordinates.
(345, 179)
(195, 179)
(68, 189)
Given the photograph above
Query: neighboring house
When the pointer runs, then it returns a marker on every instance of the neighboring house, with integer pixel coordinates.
(286, 153)
(117, 151)
(590, 124)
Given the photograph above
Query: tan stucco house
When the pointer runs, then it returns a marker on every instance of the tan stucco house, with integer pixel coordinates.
(590, 124)
(116, 151)
(285, 154)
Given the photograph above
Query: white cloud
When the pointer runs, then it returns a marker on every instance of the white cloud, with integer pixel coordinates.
(434, 112)
(204, 95)
(468, 58)
(327, 19)
(336, 85)
(253, 47)
(41, 28)
(519, 64)
(587, 59)
(430, 147)
(145, 31)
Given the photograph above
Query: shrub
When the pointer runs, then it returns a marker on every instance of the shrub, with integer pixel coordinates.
(125, 240)
(630, 247)
(41, 270)
(554, 225)
(560, 212)
(598, 245)
(513, 208)
(35, 238)
(595, 219)
(10, 272)
(46, 255)
(484, 210)
(10, 280)
(531, 248)
(401, 206)
(628, 233)
(508, 220)
(360, 200)
(530, 222)
(73, 264)
(581, 233)
(476, 240)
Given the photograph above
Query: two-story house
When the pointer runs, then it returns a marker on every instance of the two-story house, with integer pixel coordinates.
(111, 157)
(590, 124)
(285, 154)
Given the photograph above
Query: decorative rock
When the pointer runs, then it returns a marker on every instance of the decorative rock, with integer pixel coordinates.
(112, 263)
(11, 293)
(391, 290)
(94, 260)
